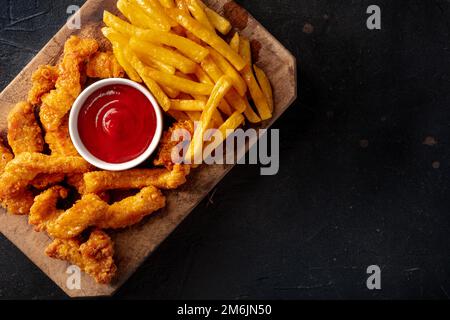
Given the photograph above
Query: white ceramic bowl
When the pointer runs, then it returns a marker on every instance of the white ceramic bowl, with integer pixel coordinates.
(78, 143)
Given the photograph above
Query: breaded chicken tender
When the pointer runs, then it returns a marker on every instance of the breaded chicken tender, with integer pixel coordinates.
(59, 140)
(95, 256)
(92, 211)
(44, 208)
(166, 146)
(97, 181)
(44, 80)
(57, 103)
(24, 133)
(43, 180)
(20, 171)
(104, 65)
(5, 156)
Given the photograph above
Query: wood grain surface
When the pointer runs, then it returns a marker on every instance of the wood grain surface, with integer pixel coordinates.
(134, 244)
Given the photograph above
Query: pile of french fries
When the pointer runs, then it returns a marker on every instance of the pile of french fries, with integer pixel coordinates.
(175, 47)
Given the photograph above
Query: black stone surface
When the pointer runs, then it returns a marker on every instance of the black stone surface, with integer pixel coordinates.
(357, 185)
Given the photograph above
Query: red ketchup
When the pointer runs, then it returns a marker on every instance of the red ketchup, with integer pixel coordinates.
(117, 123)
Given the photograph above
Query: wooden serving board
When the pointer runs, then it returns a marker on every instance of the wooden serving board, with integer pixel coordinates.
(133, 245)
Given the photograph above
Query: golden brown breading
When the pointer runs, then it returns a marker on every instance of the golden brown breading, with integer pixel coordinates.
(24, 133)
(44, 80)
(59, 140)
(20, 171)
(91, 211)
(166, 146)
(95, 256)
(57, 103)
(104, 65)
(20, 201)
(43, 180)
(44, 208)
(97, 181)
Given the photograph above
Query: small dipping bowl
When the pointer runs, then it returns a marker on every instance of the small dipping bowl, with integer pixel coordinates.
(115, 124)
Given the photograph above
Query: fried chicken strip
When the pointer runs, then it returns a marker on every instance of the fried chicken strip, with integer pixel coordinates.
(20, 171)
(18, 202)
(57, 103)
(44, 80)
(95, 256)
(166, 146)
(24, 133)
(104, 65)
(59, 140)
(91, 211)
(44, 208)
(97, 181)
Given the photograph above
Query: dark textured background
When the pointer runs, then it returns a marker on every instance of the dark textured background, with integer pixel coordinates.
(357, 185)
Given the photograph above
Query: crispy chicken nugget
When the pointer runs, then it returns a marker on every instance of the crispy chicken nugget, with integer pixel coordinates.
(58, 102)
(104, 65)
(44, 80)
(97, 181)
(91, 211)
(95, 256)
(59, 140)
(24, 133)
(18, 202)
(44, 208)
(168, 142)
(20, 171)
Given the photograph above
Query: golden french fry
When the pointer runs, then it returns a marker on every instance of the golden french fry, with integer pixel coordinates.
(251, 115)
(220, 89)
(170, 92)
(256, 93)
(118, 24)
(265, 85)
(138, 17)
(118, 42)
(154, 9)
(234, 43)
(155, 89)
(167, 3)
(232, 97)
(197, 12)
(228, 69)
(194, 115)
(164, 55)
(187, 47)
(208, 36)
(178, 115)
(187, 105)
(220, 23)
(232, 123)
(156, 64)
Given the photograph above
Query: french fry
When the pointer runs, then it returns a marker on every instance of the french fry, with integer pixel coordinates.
(232, 123)
(220, 89)
(234, 43)
(154, 9)
(179, 83)
(256, 93)
(265, 85)
(178, 115)
(204, 78)
(167, 3)
(138, 17)
(251, 115)
(118, 24)
(187, 47)
(156, 64)
(220, 23)
(197, 12)
(155, 89)
(194, 115)
(228, 69)
(232, 97)
(164, 55)
(208, 36)
(187, 105)
(117, 40)
(170, 92)
(181, 4)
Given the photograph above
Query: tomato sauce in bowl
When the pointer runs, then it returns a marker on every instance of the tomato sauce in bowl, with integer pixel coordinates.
(115, 125)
